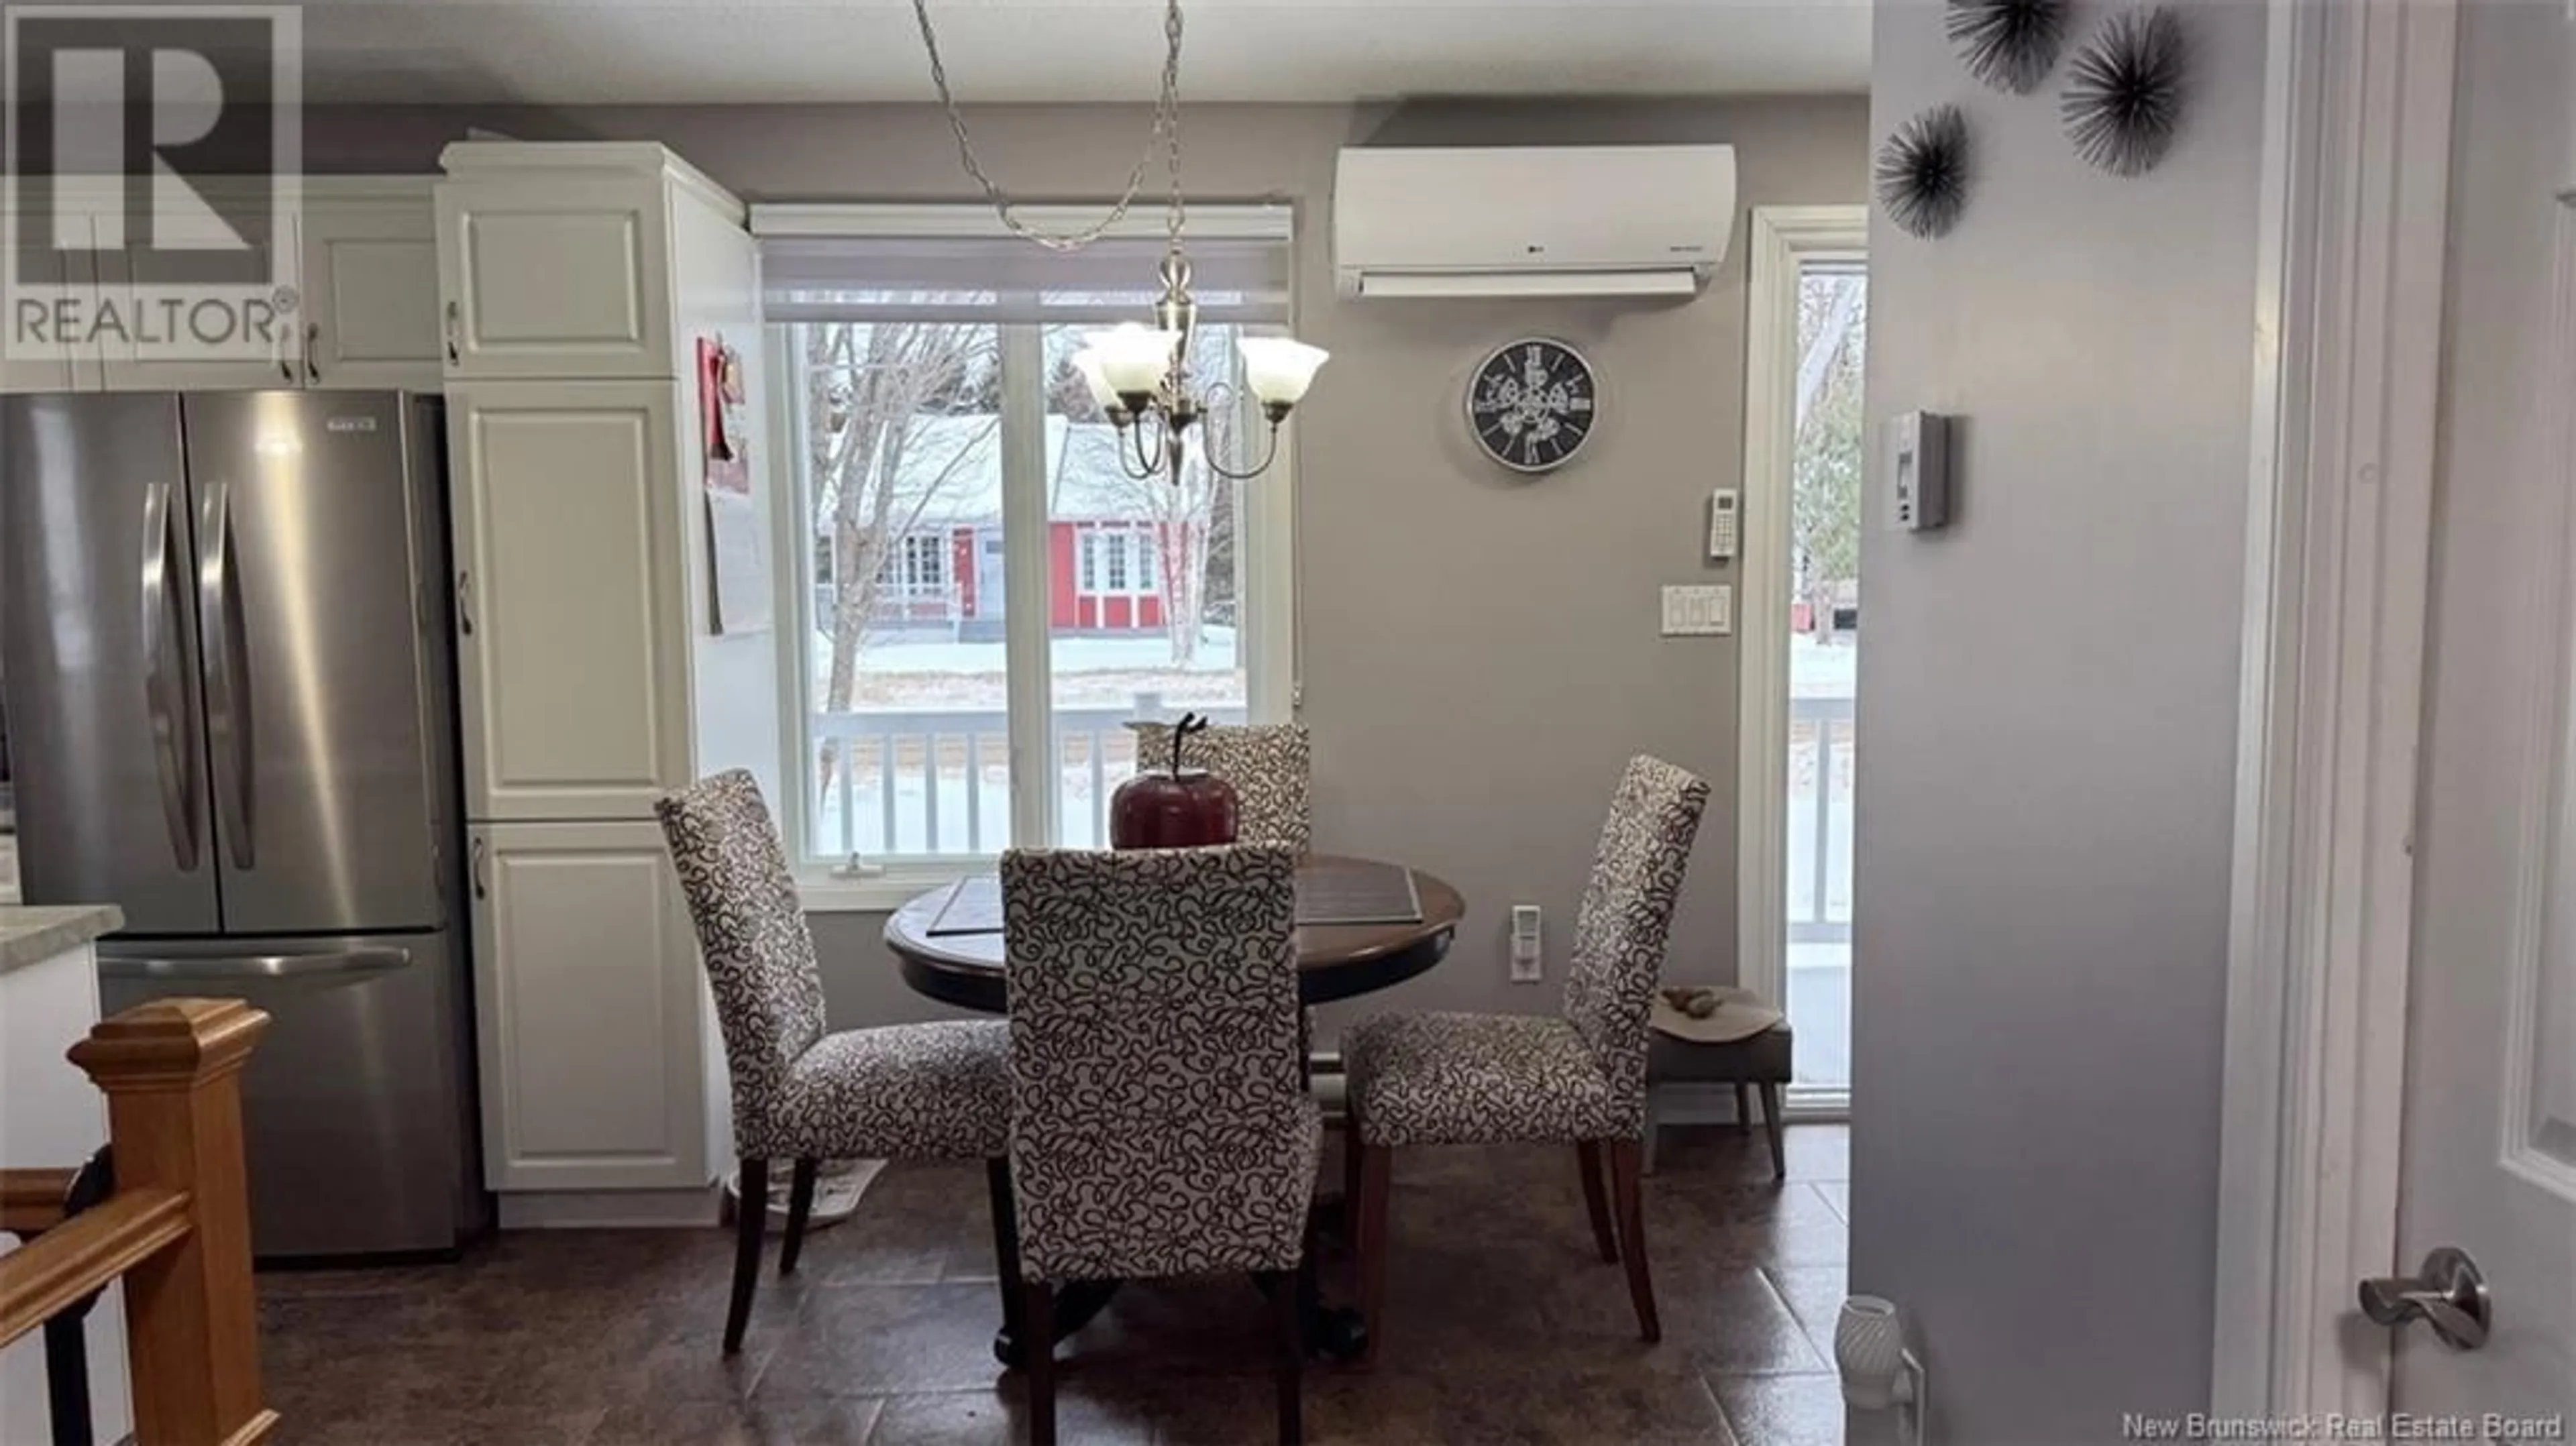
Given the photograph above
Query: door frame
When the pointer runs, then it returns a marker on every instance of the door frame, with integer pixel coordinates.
(1778, 241)
(2355, 209)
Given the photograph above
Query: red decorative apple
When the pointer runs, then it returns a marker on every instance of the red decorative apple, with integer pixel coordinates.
(1172, 808)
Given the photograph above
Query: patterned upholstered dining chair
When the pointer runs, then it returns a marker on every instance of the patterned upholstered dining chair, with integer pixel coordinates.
(1269, 765)
(1578, 1078)
(915, 1091)
(1160, 1123)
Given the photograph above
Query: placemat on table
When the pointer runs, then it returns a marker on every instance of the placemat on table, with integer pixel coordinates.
(973, 907)
(1357, 892)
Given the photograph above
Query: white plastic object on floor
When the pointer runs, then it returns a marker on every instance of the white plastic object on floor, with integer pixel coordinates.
(838, 1187)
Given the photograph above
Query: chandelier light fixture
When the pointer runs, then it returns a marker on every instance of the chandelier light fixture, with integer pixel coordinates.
(1140, 375)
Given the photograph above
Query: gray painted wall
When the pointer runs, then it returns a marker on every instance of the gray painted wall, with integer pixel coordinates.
(2048, 718)
(1479, 653)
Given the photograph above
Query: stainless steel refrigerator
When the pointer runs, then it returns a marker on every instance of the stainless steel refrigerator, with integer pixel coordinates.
(231, 711)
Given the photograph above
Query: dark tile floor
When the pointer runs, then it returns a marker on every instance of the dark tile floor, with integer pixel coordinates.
(1503, 1327)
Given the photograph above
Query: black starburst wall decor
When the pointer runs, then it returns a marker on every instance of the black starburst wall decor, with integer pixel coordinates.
(2008, 44)
(2124, 92)
(1923, 172)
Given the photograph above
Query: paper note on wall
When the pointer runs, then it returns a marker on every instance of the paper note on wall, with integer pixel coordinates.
(737, 545)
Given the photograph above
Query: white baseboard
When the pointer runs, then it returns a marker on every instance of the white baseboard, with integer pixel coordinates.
(610, 1209)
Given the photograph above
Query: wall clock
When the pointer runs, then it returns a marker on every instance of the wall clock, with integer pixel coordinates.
(1532, 403)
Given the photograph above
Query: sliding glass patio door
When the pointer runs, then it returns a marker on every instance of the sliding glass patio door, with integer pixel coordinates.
(1805, 469)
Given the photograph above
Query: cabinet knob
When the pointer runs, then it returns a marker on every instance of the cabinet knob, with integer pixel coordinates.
(453, 316)
(312, 346)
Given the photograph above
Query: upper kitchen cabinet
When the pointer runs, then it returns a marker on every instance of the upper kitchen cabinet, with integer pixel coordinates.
(39, 358)
(370, 299)
(358, 309)
(141, 283)
(556, 260)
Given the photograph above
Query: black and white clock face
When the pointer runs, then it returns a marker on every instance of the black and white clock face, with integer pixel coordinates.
(1531, 404)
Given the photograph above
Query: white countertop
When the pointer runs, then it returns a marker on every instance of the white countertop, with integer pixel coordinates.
(31, 936)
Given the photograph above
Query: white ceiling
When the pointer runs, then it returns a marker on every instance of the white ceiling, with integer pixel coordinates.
(577, 52)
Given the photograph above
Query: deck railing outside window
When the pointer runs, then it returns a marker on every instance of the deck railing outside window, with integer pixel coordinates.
(931, 782)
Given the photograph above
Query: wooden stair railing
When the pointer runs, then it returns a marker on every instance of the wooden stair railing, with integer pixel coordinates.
(177, 1229)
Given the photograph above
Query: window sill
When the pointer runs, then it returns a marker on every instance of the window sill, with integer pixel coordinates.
(826, 893)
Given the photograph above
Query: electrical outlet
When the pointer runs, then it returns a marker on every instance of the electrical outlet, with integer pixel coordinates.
(1527, 960)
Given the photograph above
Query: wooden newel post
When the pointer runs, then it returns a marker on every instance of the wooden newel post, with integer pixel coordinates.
(171, 1070)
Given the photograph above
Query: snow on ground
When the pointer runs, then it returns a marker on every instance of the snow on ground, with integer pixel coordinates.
(1087, 672)
(1823, 670)
(1140, 652)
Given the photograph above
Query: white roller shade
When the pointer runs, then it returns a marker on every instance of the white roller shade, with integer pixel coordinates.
(954, 263)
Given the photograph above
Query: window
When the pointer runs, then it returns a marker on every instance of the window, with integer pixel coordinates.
(922, 563)
(1117, 561)
(988, 596)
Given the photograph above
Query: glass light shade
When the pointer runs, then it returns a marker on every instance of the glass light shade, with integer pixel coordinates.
(1279, 369)
(1096, 377)
(1133, 358)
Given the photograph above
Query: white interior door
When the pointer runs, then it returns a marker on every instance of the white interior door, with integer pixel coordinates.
(2489, 1159)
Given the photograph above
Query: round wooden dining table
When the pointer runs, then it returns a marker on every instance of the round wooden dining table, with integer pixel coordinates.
(1334, 961)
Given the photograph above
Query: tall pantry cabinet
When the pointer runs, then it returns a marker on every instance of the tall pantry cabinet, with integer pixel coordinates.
(575, 283)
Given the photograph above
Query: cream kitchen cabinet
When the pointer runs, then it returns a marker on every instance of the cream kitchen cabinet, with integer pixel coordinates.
(145, 356)
(555, 261)
(572, 628)
(370, 299)
(576, 280)
(592, 1013)
(38, 357)
(361, 310)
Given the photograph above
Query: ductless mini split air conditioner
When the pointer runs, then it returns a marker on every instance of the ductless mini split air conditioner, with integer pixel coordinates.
(1531, 220)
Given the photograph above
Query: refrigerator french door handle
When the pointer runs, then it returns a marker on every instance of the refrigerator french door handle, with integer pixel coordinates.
(228, 720)
(161, 622)
(258, 966)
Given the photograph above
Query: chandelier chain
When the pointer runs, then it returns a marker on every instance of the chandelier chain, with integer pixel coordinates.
(1165, 136)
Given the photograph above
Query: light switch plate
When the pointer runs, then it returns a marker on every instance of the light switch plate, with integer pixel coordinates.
(1700, 610)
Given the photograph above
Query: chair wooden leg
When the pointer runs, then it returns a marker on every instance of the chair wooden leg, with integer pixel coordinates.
(1350, 1180)
(1037, 1362)
(750, 1217)
(1625, 1188)
(1287, 1292)
(1006, 1245)
(1596, 1198)
(1369, 1211)
(800, 1210)
(1771, 1123)
(1743, 1110)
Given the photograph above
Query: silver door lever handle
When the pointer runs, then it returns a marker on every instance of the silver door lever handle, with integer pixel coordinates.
(2449, 1294)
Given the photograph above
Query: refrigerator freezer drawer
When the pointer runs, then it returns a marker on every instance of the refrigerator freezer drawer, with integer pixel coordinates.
(353, 1105)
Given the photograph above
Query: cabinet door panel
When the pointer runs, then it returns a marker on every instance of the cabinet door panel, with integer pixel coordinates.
(45, 358)
(573, 642)
(371, 294)
(556, 279)
(590, 1011)
(142, 284)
